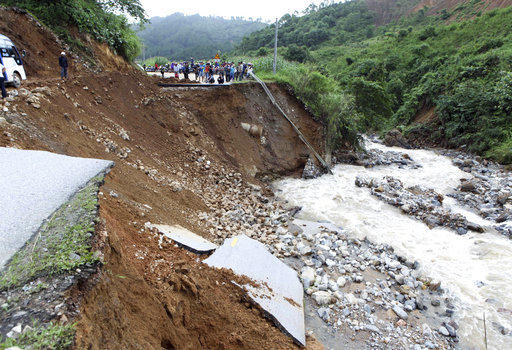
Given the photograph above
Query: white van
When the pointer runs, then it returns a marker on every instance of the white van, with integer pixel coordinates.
(11, 59)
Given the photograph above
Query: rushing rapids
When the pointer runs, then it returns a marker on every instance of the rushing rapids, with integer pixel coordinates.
(475, 269)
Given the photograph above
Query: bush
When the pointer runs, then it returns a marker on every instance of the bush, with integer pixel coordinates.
(297, 53)
(371, 70)
(477, 114)
(428, 32)
(503, 152)
(372, 101)
(343, 120)
(402, 34)
(262, 51)
(490, 44)
(330, 106)
(445, 15)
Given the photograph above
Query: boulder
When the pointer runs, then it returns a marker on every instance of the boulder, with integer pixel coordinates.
(308, 277)
(400, 312)
(468, 186)
(394, 138)
(322, 298)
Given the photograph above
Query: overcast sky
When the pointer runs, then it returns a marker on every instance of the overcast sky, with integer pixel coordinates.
(266, 9)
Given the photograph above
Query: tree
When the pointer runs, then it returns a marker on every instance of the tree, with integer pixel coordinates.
(372, 101)
(297, 53)
(130, 7)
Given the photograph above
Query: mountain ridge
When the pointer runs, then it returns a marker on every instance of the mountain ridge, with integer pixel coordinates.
(179, 36)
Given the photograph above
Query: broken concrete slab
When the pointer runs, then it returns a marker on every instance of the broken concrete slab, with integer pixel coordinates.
(34, 184)
(277, 290)
(186, 239)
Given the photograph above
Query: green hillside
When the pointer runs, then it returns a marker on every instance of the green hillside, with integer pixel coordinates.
(180, 37)
(104, 21)
(455, 65)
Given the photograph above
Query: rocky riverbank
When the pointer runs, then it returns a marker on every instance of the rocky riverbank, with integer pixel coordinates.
(424, 204)
(364, 291)
(489, 192)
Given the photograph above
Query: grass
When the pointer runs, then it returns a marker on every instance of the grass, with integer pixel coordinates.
(51, 337)
(62, 244)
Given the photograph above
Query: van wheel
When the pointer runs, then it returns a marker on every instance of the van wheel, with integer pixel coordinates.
(16, 80)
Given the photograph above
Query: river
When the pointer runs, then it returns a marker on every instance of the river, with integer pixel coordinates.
(475, 269)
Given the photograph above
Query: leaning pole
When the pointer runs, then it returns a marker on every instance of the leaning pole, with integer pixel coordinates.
(275, 51)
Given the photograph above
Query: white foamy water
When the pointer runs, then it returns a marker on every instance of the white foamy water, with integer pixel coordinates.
(476, 268)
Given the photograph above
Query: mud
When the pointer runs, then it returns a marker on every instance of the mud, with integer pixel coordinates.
(174, 149)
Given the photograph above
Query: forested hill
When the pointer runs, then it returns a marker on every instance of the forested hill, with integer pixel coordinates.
(180, 37)
(442, 75)
(357, 20)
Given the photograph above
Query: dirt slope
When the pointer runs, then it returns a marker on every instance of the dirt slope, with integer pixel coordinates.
(436, 6)
(151, 294)
(43, 48)
(388, 10)
(181, 157)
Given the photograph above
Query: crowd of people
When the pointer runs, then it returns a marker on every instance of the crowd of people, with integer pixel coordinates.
(206, 72)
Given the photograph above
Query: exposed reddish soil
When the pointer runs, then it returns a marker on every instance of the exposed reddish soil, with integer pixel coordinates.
(388, 10)
(436, 6)
(43, 48)
(151, 294)
(145, 302)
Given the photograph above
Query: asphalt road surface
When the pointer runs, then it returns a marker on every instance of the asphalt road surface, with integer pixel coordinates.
(33, 185)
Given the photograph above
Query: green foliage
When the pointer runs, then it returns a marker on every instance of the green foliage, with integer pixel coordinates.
(101, 19)
(299, 54)
(181, 37)
(323, 25)
(50, 337)
(453, 68)
(490, 44)
(262, 51)
(158, 60)
(416, 64)
(428, 32)
(502, 153)
(320, 94)
(62, 244)
(343, 120)
(445, 14)
(478, 114)
(372, 101)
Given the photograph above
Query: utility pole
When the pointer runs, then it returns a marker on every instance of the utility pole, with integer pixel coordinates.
(275, 51)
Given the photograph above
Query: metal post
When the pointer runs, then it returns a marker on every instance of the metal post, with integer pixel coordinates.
(275, 51)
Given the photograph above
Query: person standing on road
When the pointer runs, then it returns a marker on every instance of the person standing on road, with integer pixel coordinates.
(176, 71)
(201, 71)
(2, 81)
(186, 70)
(232, 71)
(63, 63)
